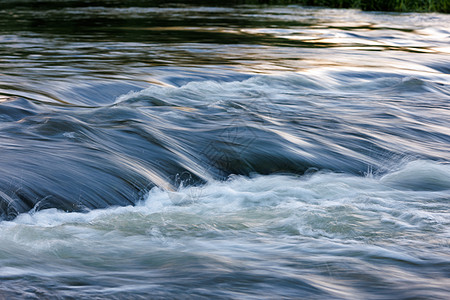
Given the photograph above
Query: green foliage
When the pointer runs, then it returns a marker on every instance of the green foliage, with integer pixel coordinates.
(406, 5)
(376, 5)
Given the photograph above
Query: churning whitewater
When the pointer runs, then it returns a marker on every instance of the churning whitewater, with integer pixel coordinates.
(154, 151)
(342, 120)
(323, 235)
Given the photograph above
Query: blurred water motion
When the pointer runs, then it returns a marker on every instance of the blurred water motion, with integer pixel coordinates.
(222, 152)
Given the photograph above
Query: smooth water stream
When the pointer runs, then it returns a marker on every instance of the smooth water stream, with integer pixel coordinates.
(223, 152)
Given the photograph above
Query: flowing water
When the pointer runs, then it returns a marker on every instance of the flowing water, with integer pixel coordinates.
(247, 152)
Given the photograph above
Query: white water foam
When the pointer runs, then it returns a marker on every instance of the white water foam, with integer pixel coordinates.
(322, 204)
(274, 227)
(318, 81)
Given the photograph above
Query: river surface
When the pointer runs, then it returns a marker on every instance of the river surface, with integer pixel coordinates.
(244, 152)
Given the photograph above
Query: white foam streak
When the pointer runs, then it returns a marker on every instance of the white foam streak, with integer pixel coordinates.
(330, 204)
(341, 80)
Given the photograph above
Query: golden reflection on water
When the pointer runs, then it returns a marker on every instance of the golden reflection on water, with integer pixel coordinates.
(6, 98)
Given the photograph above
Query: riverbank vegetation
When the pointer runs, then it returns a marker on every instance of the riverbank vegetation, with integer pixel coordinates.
(369, 5)
(375, 5)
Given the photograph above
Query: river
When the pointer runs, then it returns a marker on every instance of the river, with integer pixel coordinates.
(236, 152)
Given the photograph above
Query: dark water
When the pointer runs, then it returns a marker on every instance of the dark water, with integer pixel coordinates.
(245, 152)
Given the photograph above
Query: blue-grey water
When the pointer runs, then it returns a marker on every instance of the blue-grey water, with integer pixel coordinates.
(169, 151)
